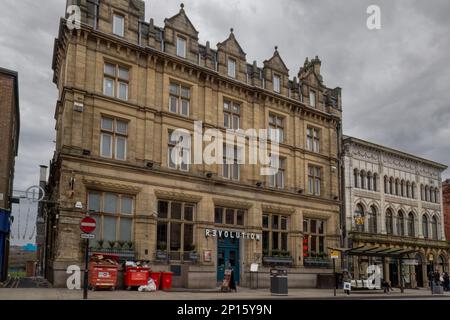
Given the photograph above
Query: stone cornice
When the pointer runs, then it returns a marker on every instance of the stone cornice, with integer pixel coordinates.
(232, 203)
(109, 186)
(277, 209)
(178, 196)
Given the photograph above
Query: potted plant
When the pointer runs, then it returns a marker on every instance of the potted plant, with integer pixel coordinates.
(112, 244)
(121, 244)
(130, 245)
(100, 243)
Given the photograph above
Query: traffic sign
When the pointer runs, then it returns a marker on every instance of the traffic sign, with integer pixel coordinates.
(88, 224)
(334, 254)
(87, 236)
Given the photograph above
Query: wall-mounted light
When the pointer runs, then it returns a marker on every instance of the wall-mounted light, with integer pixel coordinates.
(209, 175)
(259, 184)
(150, 164)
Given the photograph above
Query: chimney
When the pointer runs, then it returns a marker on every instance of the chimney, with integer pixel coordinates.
(316, 63)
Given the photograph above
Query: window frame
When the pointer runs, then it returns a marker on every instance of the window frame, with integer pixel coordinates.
(310, 235)
(118, 215)
(313, 137)
(314, 177)
(172, 144)
(231, 72)
(117, 80)
(180, 98)
(276, 88)
(278, 123)
(122, 31)
(182, 40)
(312, 102)
(115, 135)
(278, 231)
(231, 113)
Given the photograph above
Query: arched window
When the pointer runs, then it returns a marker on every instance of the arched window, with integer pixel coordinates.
(359, 218)
(397, 187)
(372, 220)
(436, 195)
(427, 193)
(391, 185)
(432, 194)
(422, 193)
(375, 182)
(411, 224)
(369, 180)
(400, 224)
(441, 264)
(389, 222)
(413, 190)
(356, 177)
(425, 226)
(434, 228)
(402, 188)
(363, 179)
(386, 184)
(408, 189)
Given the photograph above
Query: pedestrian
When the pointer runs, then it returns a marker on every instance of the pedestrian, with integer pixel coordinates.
(437, 278)
(347, 278)
(385, 286)
(431, 279)
(446, 281)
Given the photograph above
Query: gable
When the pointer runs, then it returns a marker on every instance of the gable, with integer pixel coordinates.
(276, 63)
(231, 45)
(181, 22)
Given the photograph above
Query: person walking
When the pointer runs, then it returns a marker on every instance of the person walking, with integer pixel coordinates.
(446, 281)
(347, 278)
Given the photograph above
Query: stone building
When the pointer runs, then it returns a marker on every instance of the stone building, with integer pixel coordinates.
(9, 142)
(393, 213)
(446, 204)
(124, 86)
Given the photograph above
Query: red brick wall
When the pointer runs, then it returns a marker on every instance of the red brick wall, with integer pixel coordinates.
(6, 120)
(446, 202)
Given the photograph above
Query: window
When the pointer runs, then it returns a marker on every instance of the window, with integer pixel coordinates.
(425, 226)
(229, 216)
(363, 179)
(232, 68)
(275, 235)
(276, 83)
(313, 139)
(116, 81)
(411, 225)
(312, 98)
(113, 213)
(314, 237)
(179, 99)
(314, 180)
(434, 228)
(373, 220)
(231, 167)
(276, 128)
(375, 182)
(178, 153)
(118, 25)
(175, 228)
(277, 180)
(386, 185)
(389, 222)
(400, 224)
(356, 178)
(181, 47)
(113, 138)
(231, 115)
(369, 180)
(391, 185)
(359, 218)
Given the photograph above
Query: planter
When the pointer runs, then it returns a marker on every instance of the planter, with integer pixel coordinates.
(317, 262)
(279, 261)
(190, 256)
(161, 255)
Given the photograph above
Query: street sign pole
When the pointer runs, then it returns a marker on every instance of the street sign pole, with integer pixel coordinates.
(86, 271)
(334, 272)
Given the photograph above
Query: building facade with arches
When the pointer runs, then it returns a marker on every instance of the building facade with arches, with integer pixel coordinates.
(393, 200)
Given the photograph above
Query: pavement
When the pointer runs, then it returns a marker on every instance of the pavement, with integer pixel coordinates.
(241, 294)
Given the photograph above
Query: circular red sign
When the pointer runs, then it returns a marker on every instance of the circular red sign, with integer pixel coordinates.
(87, 224)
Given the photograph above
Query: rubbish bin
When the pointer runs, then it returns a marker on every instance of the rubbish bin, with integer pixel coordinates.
(437, 289)
(278, 282)
(156, 276)
(103, 270)
(166, 280)
(136, 276)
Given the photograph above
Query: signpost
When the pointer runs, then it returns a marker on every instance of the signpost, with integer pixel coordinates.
(87, 225)
(334, 255)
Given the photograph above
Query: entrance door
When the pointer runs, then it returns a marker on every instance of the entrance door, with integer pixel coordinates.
(419, 275)
(227, 257)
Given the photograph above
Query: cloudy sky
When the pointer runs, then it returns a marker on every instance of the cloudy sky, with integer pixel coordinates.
(395, 80)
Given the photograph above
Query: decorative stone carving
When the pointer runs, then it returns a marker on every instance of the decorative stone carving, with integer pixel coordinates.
(232, 203)
(277, 209)
(179, 196)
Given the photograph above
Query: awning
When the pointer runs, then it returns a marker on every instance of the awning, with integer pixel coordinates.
(373, 251)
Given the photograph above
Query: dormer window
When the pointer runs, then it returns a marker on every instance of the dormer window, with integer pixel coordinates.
(118, 25)
(312, 98)
(276, 84)
(232, 68)
(181, 47)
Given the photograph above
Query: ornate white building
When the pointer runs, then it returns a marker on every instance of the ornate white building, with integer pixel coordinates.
(393, 213)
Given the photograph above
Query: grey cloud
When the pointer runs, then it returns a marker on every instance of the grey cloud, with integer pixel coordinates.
(395, 81)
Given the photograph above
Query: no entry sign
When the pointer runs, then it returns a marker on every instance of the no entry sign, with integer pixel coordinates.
(87, 225)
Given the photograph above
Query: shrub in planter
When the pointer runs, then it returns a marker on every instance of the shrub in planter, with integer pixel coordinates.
(130, 244)
(112, 244)
(100, 243)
